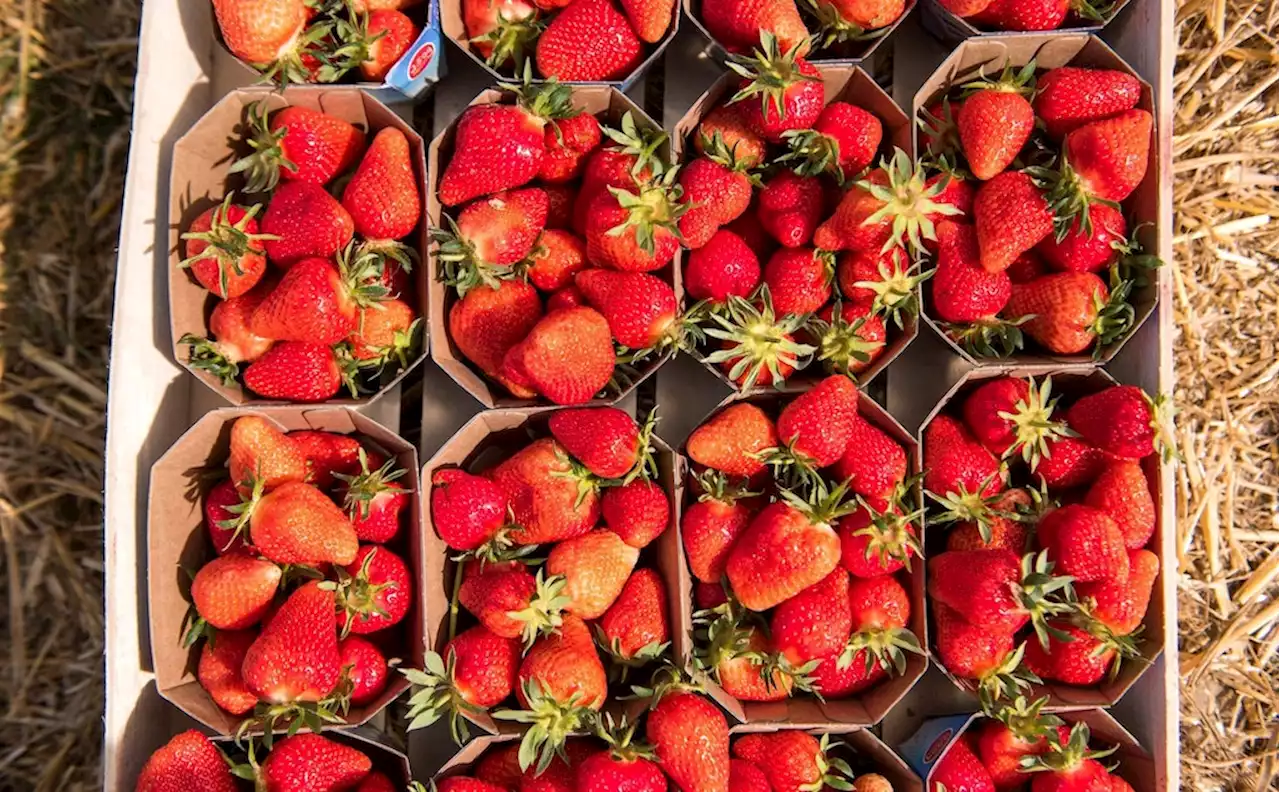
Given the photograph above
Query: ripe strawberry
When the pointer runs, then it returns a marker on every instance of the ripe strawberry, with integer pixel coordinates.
(476, 671)
(385, 38)
(1072, 767)
(225, 252)
(373, 499)
(296, 523)
(382, 195)
(1085, 543)
(738, 25)
(295, 658)
(990, 529)
(309, 762)
(558, 256)
(638, 512)
(843, 142)
(996, 121)
(622, 767)
(648, 216)
(464, 784)
(814, 623)
(258, 31)
(233, 592)
(725, 125)
(710, 526)
(1071, 311)
(815, 427)
(1014, 417)
(500, 766)
(992, 590)
(708, 595)
(788, 88)
(1011, 216)
(305, 221)
(749, 227)
(375, 593)
(187, 763)
(605, 440)
(551, 498)
(724, 266)
(1068, 462)
(219, 671)
(746, 777)
(327, 453)
(508, 600)
(743, 663)
(595, 567)
(873, 463)
(467, 511)
(258, 450)
(958, 190)
(959, 768)
(217, 503)
(299, 372)
(957, 464)
(965, 293)
(297, 144)
(560, 201)
(1028, 266)
(568, 141)
(1122, 421)
(499, 31)
(875, 543)
(315, 303)
(1076, 658)
(1025, 14)
(1087, 251)
(791, 208)
(627, 162)
(231, 340)
(850, 343)
(384, 333)
(1017, 731)
(799, 280)
(590, 40)
(939, 135)
(1109, 157)
(490, 236)
(635, 629)
(1121, 605)
(970, 652)
(794, 760)
(716, 190)
(640, 308)
(568, 356)
(568, 297)
(488, 321)
(881, 610)
(1122, 492)
(1069, 97)
(365, 667)
(377, 782)
(853, 19)
(732, 439)
(885, 281)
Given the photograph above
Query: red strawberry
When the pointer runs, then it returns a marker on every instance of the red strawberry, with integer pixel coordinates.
(691, 738)
(1028, 266)
(746, 777)
(1122, 421)
(327, 453)
(1087, 251)
(970, 652)
(938, 133)
(309, 762)
(1121, 606)
(476, 671)
(552, 499)
(373, 500)
(959, 768)
(957, 191)
(709, 595)
(500, 766)
(879, 279)
(1068, 462)
(386, 37)
(749, 227)
(874, 543)
(850, 343)
(377, 782)
(732, 439)
(1069, 97)
(635, 629)
(217, 503)
(852, 19)
(1122, 492)
(568, 297)
(1025, 14)
(1071, 311)
(605, 440)
(1072, 767)
(568, 355)
(296, 656)
(726, 122)
(814, 623)
(989, 588)
(508, 600)
(621, 768)
(499, 31)
(964, 293)
(637, 512)
(306, 221)
(297, 371)
(261, 451)
(794, 760)
(1085, 543)
(744, 664)
(595, 567)
(790, 208)
(466, 511)
(957, 464)
(187, 763)
(1011, 216)
(996, 121)
(383, 196)
(873, 463)
(626, 163)
(881, 610)
(738, 24)
(297, 144)
(843, 675)
(560, 201)
(560, 775)
(568, 141)
(297, 524)
(989, 529)
(843, 142)
(1010, 416)
(384, 334)
(787, 87)
(590, 40)
(375, 593)
(799, 280)
(640, 308)
(260, 32)
(1077, 658)
(366, 668)
(487, 322)
(235, 342)
(716, 190)
(816, 426)
(647, 215)
(233, 592)
(1109, 157)
(315, 303)
(225, 252)
(724, 266)
(558, 256)
(649, 18)
(464, 784)
(1020, 732)
(710, 526)
(219, 671)
(491, 235)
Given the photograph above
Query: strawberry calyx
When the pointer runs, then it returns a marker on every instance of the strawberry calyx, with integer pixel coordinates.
(461, 267)
(1042, 595)
(545, 612)
(205, 354)
(769, 73)
(1033, 424)
(227, 243)
(811, 153)
(897, 291)
(885, 647)
(291, 66)
(1026, 721)
(261, 168)
(620, 737)
(550, 722)
(643, 144)
(403, 342)
(909, 201)
(363, 488)
(1008, 679)
(943, 133)
(292, 716)
(668, 678)
(889, 535)
(718, 487)
(588, 483)
(841, 347)
(435, 694)
(760, 340)
(356, 44)
(833, 772)
(360, 270)
(824, 504)
(510, 40)
(1124, 647)
(719, 636)
(243, 511)
(357, 595)
(965, 505)
(1012, 79)
(1163, 411)
(718, 151)
(1093, 11)
(655, 205)
(1068, 197)
(1065, 758)
(1115, 316)
(621, 663)
(834, 29)
(992, 337)
(547, 100)
(1134, 261)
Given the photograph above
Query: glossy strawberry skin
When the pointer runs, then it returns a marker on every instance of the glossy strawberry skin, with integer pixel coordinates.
(311, 304)
(724, 266)
(295, 371)
(790, 208)
(485, 666)
(691, 738)
(763, 574)
(640, 308)
(961, 290)
(1085, 544)
(1064, 307)
(965, 650)
(365, 666)
(994, 126)
(296, 656)
(961, 770)
(383, 196)
(496, 147)
(187, 763)
(819, 423)
(955, 461)
(638, 512)
(544, 501)
(487, 322)
(1069, 97)
(219, 670)
(233, 592)
(977, 584)
(259, 32)
(799, 280)
(389, 605)
(309, 221)
(1011, 216)
(466, 510)
(308, 761)
(319, 145)
(241, 273)
(589, 40)
(1122, 492)
(225, 540)
(1110, 156)
(731, 440)
(816, 622)
(1091, 252)
(1118, 421)
(873, 463)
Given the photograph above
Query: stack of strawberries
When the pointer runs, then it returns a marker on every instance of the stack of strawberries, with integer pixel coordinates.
(295, 41)
(800, 571)
(840, 28)
(1030, 14)
(1042, 164)
(313, 294)
(1046, 574)
(585, 498)
(569, 40)
(295, 610)
(801, 249)
(557, 242)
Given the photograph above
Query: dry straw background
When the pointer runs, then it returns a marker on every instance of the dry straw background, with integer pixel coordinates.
(66, 73)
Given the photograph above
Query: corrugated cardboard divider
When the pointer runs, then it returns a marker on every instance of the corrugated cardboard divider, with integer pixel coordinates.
(870, 706)
(607, 104)
(1072, 384)
(492, 437)
(843, 83)
(952, 29)
(848, 52)
(387, 759)
(988, 55)
(199, 180)
(451, 22)
(177, 540)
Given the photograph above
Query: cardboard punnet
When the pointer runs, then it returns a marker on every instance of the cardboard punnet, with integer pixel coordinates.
(177, 539)
(608, 105)
(847, 52)
(951, 28)
(988, 55)
(387, 759)
(924, 749)
(843, 83)
(491, 437)
(451, 22)
(199, 179)
(1071, 384)
(870, 706)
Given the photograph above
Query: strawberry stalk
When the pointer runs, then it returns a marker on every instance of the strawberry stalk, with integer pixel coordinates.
(545, 611)
(909, 201)
(621, 663)
(1026, 721)
(643, 144)
(1033, 424)
(1065, 758)
(888, 537)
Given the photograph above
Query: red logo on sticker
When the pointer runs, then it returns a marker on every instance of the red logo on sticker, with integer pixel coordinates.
(421, 59)
(935, 749)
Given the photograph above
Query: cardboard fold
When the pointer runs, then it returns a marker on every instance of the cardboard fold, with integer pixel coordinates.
(177, 539)
(1071, 384)
(870, 706)
(952, 29)
(199, 179)
(988, 55)
(609, 105)
(493, 436)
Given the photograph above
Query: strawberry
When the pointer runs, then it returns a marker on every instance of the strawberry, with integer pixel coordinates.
(957, 464)
(384, 333)
(187, 763)
(365, 667)
(304, 221)
(888, 282)
(568, 297)
(742, 660)
(296, 523)
(1029, 265)
(219, 520)
(957, 191)
(488, 321)
(1122, 421)
(476, 671)
(568, 141)
(568, 356)
(1121, 605)
(746, 777)
(509, 601)
(635, 629)
(794, 760)
(309, 762)
(225, 252)
(691, 738)
(561, 774)
(1075, 656)
(1025, 14)
(969, 297)
(757, 348)
(560, 201)
(373, 500)
(994, 526)
(851, 20)
(299, 372)
(749, 227)
(790, 208)
(1071, 311)
(724, 266)
(219, 671)
(295, 658)
(501, 146)
(229, 324)
(881, 610)
(382, 195)
(1068, 462)
(261, 31)
(875, 543)
(992, 590)
(551, 497)
(816, 426)
(558, 256)
(873, 463)
(789, 546)
(640, 308)
(716, 190)
(843, 142)
(500, 31)
(939, 135)
(375, 593)
(638, 512)
(1121, 491)
(799, 280)
(725, 126)
(996, 121)
(377, 782)
(732, 439)
(326, 454)
(649, 18)
(1017, 731)
(464, 784)
(709, 595)
(1014, 417)
(1072, 767)
(590, 40)
(1108, 158)
(490, 235)
(738, 24)
(500, 766)
(258, 450)
(1069, 97)
(1011, 216)
(385, 38)
(814, 623)
(970, 652)
(1085, 543)
(1090, 247)
(850, 343)
(648, 216)
(788, 87)
(622, 767)
(595, 567)
(710, 526)
(297, 144)
(233, 592)
(315, 303)
(959, 768)
(467, 511)
(627, 162)
(605, 440)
